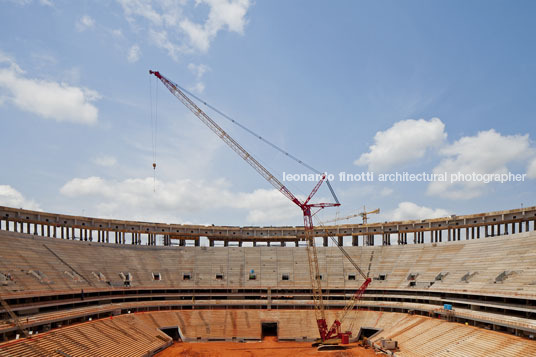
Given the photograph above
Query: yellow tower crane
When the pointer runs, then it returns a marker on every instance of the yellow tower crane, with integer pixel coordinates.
(363, 214)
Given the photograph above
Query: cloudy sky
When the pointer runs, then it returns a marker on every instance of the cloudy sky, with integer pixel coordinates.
(349, 87)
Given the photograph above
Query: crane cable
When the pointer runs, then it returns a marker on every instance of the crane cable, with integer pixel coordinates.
(154, 126)
(266, 141)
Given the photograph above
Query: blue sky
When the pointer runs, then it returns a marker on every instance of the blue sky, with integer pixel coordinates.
(347, 86)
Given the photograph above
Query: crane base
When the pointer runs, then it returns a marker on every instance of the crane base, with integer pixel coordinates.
(331, 342)
(324, 347)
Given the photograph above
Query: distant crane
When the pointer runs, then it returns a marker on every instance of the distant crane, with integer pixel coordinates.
(325, 334)
(363, 214)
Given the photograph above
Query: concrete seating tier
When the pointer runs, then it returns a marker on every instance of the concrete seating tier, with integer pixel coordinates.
(137, 334)
(119, 336)
(503, 265)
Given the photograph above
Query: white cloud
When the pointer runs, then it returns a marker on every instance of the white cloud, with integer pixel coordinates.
(105, 160)
(169, 28)
(411, 211)
(48, 99)
(136, 199)
(531, 169)
(386, 191)
(198, 69)
(488, 152)
(84, 23)
(116, 33)
(404, 142)
(223, 14)
(198, 87)
(161, 39)
(13, 198)
(134, 54)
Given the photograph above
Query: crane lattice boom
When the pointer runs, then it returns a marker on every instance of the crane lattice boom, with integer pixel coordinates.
(305, 206)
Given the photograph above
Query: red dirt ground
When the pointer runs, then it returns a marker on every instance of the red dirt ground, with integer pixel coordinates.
(269, 347)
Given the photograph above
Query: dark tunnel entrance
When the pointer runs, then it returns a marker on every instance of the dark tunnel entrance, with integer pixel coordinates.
(172, 332)
(268, 329)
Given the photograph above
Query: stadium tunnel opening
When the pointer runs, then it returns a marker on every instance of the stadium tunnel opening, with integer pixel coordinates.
(268, 329)
(367, 332)
(173, 332)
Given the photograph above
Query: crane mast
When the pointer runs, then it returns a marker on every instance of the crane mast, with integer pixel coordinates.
(305, 206)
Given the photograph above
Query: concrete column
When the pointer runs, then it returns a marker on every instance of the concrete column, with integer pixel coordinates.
(506, 229)
(325, 241)
(486, 231)
(239, 243)
(355, 241)
(340, 240)
(478, 232)
(283, 244)
(198, 242)
(107, 236)
(449, 235)
(211, 242)
(473, 232)
(254, 243)
(297, 242)
(526, 226)
(226, 243)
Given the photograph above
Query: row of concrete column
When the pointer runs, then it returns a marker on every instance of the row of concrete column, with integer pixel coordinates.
(120, 237)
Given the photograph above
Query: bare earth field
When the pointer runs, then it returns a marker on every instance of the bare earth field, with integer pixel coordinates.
(269, 347)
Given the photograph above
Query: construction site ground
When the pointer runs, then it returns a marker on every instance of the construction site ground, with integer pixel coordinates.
(269, 347)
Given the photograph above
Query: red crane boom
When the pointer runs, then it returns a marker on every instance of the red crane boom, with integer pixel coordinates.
(305, 206)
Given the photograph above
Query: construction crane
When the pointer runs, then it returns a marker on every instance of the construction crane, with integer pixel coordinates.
(325, 333)
(363, 214)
